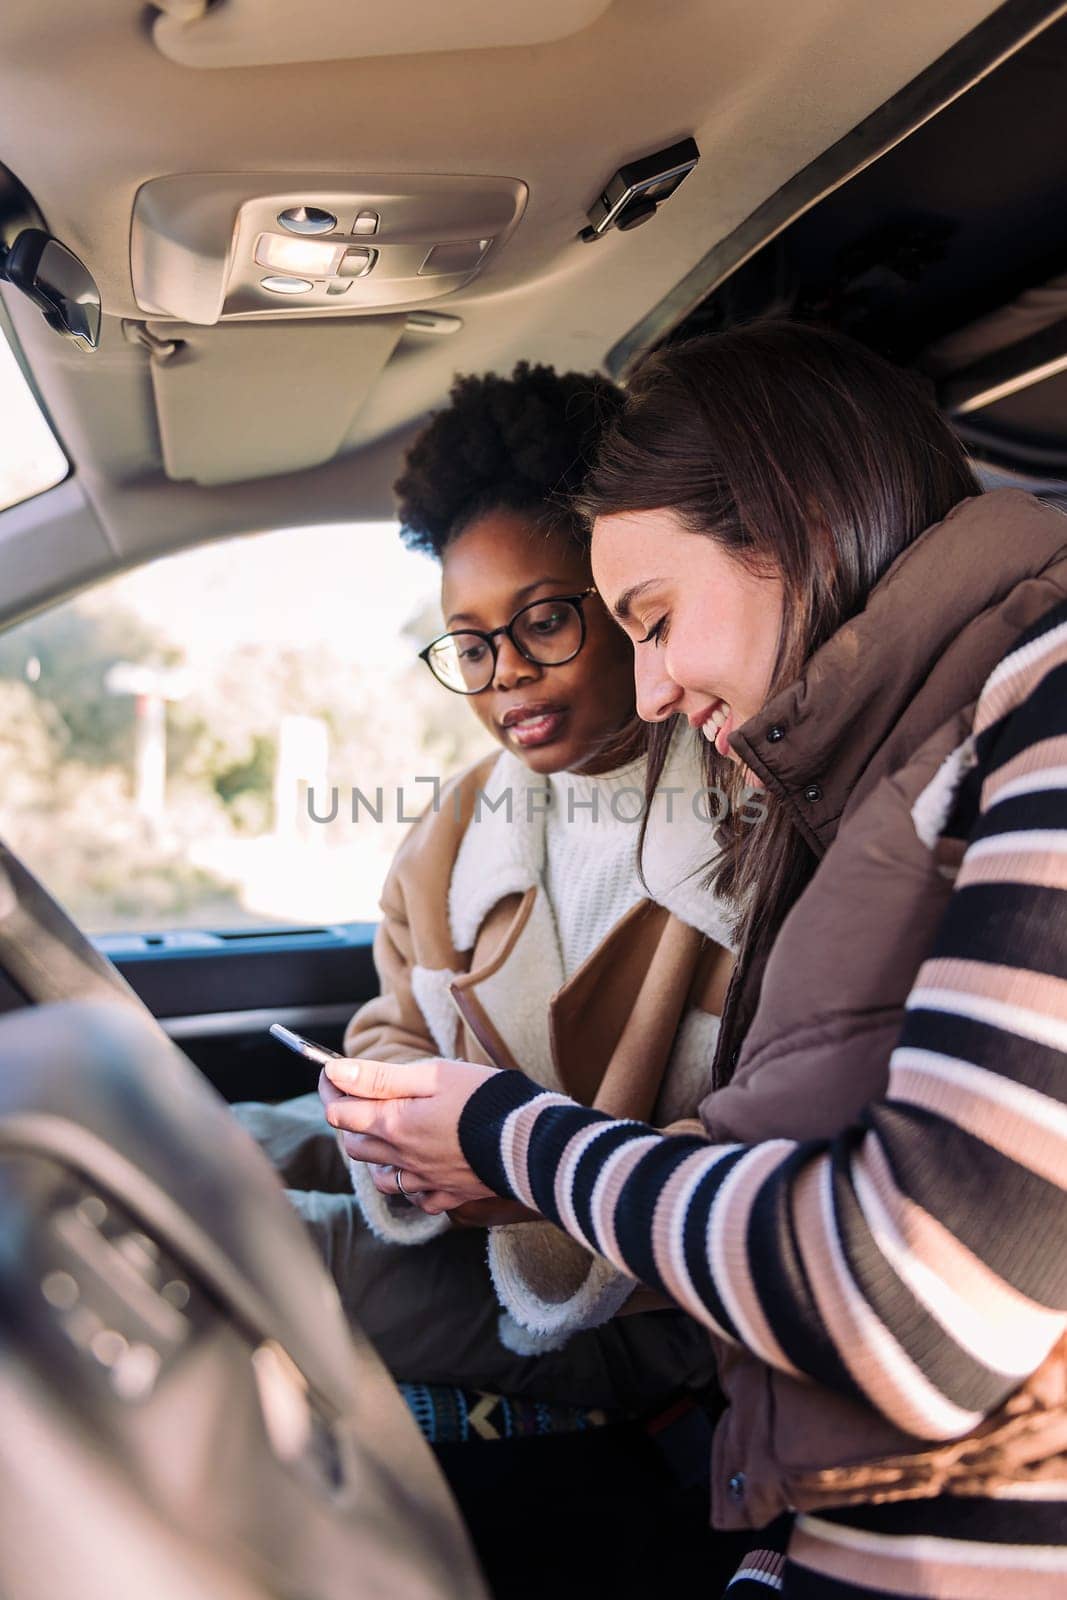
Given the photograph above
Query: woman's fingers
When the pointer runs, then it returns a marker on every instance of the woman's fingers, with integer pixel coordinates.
(375, 1152)
(378, 1119)
(382, 1080)
(328, 1094)
(416, 1189)
(385, 1182)
(355, 1116)
(407, 1115)
(434, 1201)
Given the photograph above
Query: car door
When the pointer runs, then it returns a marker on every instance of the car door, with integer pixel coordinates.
(217, 991)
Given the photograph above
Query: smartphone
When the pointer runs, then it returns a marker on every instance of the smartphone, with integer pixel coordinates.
(304, 1047)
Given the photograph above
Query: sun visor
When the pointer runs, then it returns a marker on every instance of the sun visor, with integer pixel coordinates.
(243, 401)
(261, 33)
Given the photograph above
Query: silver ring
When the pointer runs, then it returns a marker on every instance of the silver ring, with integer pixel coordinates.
(400, 1184)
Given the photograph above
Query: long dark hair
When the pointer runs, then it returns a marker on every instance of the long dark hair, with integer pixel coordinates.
(801, 453)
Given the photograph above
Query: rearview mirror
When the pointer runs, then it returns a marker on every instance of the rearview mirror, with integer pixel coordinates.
(57, 282)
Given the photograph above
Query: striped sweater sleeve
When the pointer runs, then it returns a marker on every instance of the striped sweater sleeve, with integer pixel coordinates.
(918, 1260)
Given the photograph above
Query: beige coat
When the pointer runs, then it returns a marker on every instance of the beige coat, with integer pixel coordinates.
(469, 965)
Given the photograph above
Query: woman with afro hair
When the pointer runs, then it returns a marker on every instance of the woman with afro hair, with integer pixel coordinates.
(520, 928)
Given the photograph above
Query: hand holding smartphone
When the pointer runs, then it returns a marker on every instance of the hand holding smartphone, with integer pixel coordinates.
(318, 1053)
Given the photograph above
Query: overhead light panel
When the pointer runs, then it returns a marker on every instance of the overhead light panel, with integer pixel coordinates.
(357, 262)
(309, 258)
(276, 283)
(307, 219)
(208, 247)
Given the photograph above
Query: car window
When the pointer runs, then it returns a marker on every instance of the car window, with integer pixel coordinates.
(233, 736)
(30, 458)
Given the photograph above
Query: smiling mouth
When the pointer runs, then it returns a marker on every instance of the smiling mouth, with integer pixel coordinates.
(715, 725)
(530, 726)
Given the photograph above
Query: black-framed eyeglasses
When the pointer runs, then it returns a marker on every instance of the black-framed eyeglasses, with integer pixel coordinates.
(548, 633)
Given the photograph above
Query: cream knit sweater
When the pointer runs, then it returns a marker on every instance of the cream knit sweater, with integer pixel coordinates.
(590, 872)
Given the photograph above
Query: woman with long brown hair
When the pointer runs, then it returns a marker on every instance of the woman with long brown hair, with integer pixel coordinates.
(872, 1226)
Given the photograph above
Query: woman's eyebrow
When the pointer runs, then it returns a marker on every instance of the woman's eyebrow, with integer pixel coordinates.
(517, 598)
(621, 608)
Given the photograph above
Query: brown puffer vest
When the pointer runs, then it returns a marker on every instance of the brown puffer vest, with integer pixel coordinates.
(810, 1026)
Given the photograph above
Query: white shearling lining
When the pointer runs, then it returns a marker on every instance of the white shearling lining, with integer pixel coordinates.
(933, 807)
(501, 853)
(432, 989)
(392, 1223)
(513, 1336)
(687, 1078)
(534, 1267)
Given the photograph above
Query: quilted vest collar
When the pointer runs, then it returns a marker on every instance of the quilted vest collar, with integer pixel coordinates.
(920, 647)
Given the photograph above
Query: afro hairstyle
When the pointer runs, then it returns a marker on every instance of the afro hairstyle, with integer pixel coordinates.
(522, 443)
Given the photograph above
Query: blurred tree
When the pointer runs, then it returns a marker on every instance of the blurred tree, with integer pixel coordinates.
(30, 744)
(64, 655)
(252, 779)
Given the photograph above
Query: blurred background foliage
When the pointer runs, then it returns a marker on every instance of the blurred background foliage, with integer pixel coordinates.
(68, 790)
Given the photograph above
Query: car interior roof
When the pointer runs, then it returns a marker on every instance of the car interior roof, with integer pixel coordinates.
(94, 106)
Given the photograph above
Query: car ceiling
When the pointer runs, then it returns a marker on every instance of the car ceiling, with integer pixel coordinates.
(91, 108)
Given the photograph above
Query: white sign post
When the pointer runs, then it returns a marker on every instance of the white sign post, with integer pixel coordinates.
(152, 688)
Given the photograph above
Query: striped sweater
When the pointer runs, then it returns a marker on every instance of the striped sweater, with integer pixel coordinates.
(918, 1260)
